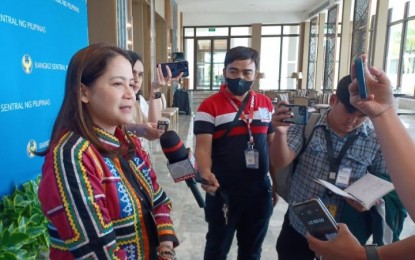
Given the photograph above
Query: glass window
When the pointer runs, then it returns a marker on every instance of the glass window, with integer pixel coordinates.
(373, 5)
(400, 63)
(204, 58)
(336, 75)
(189, 32)
(240, 42)
(408, 69)
(269, 62)
(289, 62)
(392, 56)
(189, 56)
(219, 51)
(272, 53)
(398, 7)
(271, 30)
(212, 31)
(291, 29)
(241, 31)
(411, 8)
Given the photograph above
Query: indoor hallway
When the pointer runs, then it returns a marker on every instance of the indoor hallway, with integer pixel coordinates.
(189, 218)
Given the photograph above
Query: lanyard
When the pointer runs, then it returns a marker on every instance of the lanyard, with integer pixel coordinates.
(250, 117)
(336, 161)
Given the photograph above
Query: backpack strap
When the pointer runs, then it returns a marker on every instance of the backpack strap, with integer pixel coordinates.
(284, 176)
(308, 130)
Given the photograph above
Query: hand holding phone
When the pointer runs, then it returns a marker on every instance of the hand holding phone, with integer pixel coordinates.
(299, 114)
(176, 68)
(316, 218)
(360, 75)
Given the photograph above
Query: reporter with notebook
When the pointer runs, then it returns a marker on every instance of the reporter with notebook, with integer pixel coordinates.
(398, 149)
(341, 150)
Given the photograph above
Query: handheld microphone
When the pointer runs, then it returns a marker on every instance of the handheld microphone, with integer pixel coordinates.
(182, 164)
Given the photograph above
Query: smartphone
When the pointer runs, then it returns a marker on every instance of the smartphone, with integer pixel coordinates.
(299, 112)
(176, 68)
(360, 75)
(316, 218)
(163, 125)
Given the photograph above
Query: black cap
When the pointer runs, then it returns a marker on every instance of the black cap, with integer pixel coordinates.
(343, 93)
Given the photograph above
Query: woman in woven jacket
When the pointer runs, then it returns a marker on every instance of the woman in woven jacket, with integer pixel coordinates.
(99, 190)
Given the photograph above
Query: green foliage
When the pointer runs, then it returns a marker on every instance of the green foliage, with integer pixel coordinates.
(23, 232)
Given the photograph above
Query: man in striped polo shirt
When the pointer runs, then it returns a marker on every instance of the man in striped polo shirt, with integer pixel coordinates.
(232, 154)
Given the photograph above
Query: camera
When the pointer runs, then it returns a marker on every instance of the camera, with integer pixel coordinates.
(299, 114)
(176, 68)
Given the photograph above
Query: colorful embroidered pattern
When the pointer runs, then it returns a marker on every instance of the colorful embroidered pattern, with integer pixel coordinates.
(93, 210)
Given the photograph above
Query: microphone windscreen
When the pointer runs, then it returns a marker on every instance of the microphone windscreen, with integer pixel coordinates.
(173, 147)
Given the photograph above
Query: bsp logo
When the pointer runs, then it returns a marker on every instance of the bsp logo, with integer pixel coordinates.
(27, 64)
(31, 147)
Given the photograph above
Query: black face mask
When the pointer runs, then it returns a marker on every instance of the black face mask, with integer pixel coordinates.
(238, 86)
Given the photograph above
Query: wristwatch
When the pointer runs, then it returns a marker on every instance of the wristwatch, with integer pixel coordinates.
(371, 252)
(156, 95)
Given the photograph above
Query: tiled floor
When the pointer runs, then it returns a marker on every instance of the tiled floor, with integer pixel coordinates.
(189, 218)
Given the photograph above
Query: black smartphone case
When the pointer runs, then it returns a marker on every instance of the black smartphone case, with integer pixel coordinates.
(360, 75)
(316, 218)
(300, 114)
(163, 125)
(176, 68)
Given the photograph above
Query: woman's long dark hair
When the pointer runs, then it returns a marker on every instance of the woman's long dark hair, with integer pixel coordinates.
(85, 67)
(134, 57)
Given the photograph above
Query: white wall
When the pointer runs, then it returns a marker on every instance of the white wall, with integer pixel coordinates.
(159, 7)
(206, 19)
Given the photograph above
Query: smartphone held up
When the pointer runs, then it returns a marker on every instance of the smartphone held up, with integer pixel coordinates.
(176, 68)
(360, 75)
(163, 125)
(299, 114)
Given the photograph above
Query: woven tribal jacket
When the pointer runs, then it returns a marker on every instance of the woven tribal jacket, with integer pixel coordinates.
(96, 208)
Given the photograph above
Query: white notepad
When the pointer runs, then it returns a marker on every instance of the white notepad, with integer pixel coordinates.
(367, 190)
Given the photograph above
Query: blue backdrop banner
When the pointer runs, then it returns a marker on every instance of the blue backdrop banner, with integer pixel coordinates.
(38, 38)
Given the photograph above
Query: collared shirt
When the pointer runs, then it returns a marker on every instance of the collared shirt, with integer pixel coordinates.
(214, 116)
(362, 157)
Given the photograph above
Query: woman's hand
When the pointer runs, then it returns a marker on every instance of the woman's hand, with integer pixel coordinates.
(380, 98)
(151, 132)
(161, 80)
(147, 130)
(165, 251)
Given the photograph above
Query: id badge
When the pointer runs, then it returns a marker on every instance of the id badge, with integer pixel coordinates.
(332, 176)
(332, 209)
(343, 177)
(251, 158)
